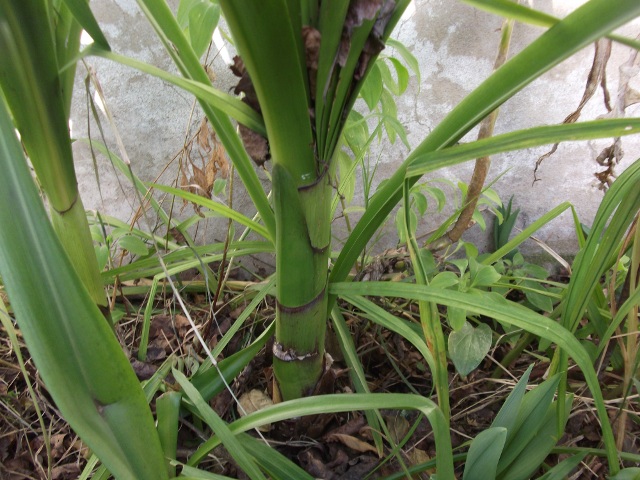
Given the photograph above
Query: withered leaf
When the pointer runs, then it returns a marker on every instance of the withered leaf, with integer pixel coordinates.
(256, 145)
(352, 442)
(311, 38)
(253, 401)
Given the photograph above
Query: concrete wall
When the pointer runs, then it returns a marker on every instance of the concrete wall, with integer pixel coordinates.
(455, 45)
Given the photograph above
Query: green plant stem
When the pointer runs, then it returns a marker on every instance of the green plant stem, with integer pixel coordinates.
(429, 316)
(630, 351)
(72, 229)
(38, 96)
(302, 256)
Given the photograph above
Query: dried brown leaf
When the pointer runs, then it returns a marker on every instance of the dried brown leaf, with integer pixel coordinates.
(398, 427)
(253, 401)
(256, 145)
(352, 442)
(67, 471)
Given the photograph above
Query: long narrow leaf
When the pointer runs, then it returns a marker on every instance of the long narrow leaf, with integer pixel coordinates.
(521, 139)
(348, 403)
(216, 207)
(586, 24)
(522, 13)
(76, 353)
(245, 461)
(495, 306)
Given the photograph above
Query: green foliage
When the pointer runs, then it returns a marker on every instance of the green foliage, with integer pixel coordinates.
(315, 136)
(198, 19)
(468, 346)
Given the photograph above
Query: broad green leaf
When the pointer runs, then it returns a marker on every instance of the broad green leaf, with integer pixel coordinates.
(402, 74)
(530, 423)
(372, 87)
(484, 453)
(457, 318)
(539, 447)
(508, 413)
(538, 299)
(482, 275)
(420, 202)
(407, 56)
(168, 414)
(444, 280)
(469, 346)
(133, 245)
(631, 473)
(203, 19)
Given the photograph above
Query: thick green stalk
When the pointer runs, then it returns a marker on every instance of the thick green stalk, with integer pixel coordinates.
(301, 83)
(302, 254)
(33, 88)
(268, 37)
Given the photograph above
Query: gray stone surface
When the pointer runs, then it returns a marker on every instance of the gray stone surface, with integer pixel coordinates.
(455, 45)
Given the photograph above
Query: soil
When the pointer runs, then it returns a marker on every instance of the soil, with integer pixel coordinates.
(335, 446)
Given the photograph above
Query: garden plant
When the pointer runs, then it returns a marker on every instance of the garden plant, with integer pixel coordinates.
(301, 67)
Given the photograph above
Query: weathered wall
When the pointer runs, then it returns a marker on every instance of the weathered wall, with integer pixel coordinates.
(455, 46)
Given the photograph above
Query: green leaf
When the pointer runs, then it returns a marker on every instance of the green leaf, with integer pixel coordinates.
(84, 16)
(133, 245)
(347, 403)
(93, 383)
(522, 13)
(631, 473)
(402, 74)
(203, 19)
(532, 421)
(508, 414)
(372, 87)
(540, 446)
(407, 56)
(537, 299)
(444, 280)
(469, 346)
(484, 453)
(235, 448)
(482, 275)
(420, 202)
(521, 139)
(564, 468)
(457, 318)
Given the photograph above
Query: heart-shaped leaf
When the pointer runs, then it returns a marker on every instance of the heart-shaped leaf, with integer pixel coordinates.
(468, 347)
